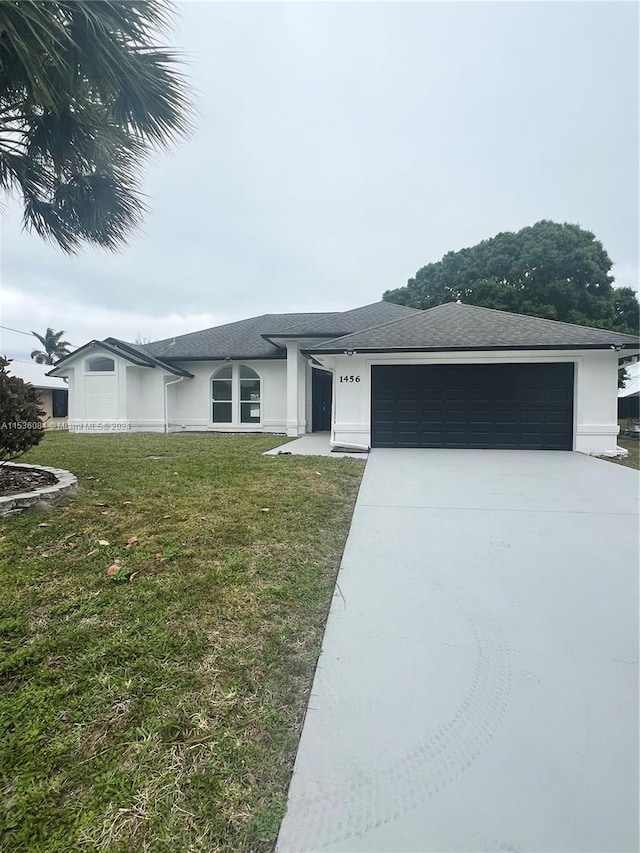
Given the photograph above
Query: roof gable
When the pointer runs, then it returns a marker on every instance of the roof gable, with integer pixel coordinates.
(458, 326)
(130, 352)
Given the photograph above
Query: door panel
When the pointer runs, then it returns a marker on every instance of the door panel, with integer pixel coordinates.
(519, 406)
(321, 400)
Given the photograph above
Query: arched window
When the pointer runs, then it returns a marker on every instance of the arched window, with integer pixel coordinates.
(236, 395)
(100, 364)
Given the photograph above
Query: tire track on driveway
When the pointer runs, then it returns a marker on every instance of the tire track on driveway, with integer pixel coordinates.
(366, 801)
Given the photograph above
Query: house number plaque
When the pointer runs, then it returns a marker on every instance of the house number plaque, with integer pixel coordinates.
(350, 378)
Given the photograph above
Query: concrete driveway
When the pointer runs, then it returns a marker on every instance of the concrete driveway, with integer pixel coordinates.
(478, 684)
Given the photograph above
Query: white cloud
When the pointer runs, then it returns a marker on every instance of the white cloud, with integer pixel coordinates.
(82, 323)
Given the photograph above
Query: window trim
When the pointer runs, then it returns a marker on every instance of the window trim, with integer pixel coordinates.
(244, 403)
(89, 361)
(217, 378)
(236, 403)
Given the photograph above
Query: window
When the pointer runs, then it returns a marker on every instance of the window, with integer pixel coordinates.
(100, 364)
(222, 395)
(249, 396)
(236, 395)
(60, 403)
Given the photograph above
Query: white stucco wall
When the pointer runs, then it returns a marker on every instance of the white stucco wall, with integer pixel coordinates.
(97, 401)
(45, 399)
(595, 391)
(73, 397)
(144, 390)
(190, 401)
(101, 404)
(596, 403)
(132, 398)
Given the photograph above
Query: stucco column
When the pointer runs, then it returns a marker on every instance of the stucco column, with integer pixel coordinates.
(293, 422)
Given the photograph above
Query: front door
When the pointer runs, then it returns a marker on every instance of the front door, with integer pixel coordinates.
(321, 396)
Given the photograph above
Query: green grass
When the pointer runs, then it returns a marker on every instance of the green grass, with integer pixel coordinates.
(162, 713)
(633, 459)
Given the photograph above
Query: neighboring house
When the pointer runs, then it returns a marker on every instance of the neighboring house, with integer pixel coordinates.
(383, 375)
(629, 400)
(52, 392)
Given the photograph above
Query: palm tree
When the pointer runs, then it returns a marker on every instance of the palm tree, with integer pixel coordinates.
(54, 348)
(85, 98)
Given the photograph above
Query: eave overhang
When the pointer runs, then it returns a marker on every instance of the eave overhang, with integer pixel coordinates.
(500, 348)
(322, 336)
(123, 351)
(281, 355)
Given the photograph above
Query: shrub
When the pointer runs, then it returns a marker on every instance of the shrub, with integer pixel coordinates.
(21, 424)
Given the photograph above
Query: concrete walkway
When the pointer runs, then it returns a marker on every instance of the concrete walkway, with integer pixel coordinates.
(313, 444)
(477, 688)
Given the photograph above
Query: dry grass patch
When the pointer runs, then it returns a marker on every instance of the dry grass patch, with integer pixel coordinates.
(159, 708)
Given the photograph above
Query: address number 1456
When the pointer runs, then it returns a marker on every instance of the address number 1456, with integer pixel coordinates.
(349, 379)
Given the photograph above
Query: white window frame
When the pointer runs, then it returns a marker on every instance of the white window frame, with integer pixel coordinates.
(236, 403)
(88, 362)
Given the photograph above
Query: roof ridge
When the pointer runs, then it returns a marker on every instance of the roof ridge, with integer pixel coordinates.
(235, 323)
(202, 331)
(530, 317)
(461, 326)
(380, 302)
(377, 325)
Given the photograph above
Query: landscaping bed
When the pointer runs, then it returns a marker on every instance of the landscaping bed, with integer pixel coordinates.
(15, 480)
(158, 638)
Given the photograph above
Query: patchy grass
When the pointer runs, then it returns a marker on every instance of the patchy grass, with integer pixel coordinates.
(633, 459)
(162, 713)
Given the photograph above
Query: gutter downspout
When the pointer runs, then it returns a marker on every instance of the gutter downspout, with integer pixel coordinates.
(166, 401)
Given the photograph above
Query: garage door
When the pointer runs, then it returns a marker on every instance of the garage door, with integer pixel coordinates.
(505, 406)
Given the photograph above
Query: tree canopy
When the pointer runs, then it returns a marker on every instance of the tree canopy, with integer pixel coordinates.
(552, 270)
(54, 348)
(85, 97)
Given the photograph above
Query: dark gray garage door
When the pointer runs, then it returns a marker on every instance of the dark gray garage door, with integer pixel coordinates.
(505, 406)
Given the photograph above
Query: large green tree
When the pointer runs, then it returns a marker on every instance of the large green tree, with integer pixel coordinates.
(54, 347)
(85, 96)
(553, 270)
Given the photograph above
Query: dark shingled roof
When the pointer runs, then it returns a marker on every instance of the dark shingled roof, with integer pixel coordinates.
(456, 326)
(246, 338)
(346, 322)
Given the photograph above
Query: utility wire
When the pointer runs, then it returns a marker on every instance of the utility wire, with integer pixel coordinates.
(29, 334)
(19, 331)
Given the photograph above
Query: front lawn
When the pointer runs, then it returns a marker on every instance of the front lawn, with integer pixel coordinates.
(159, 708)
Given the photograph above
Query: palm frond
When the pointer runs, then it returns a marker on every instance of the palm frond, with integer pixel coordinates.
(85, 96)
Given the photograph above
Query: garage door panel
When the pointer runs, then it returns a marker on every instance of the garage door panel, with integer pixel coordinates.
(493, 406)
(409, 395)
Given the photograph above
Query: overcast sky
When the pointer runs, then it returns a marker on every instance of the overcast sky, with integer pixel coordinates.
(339, 147)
